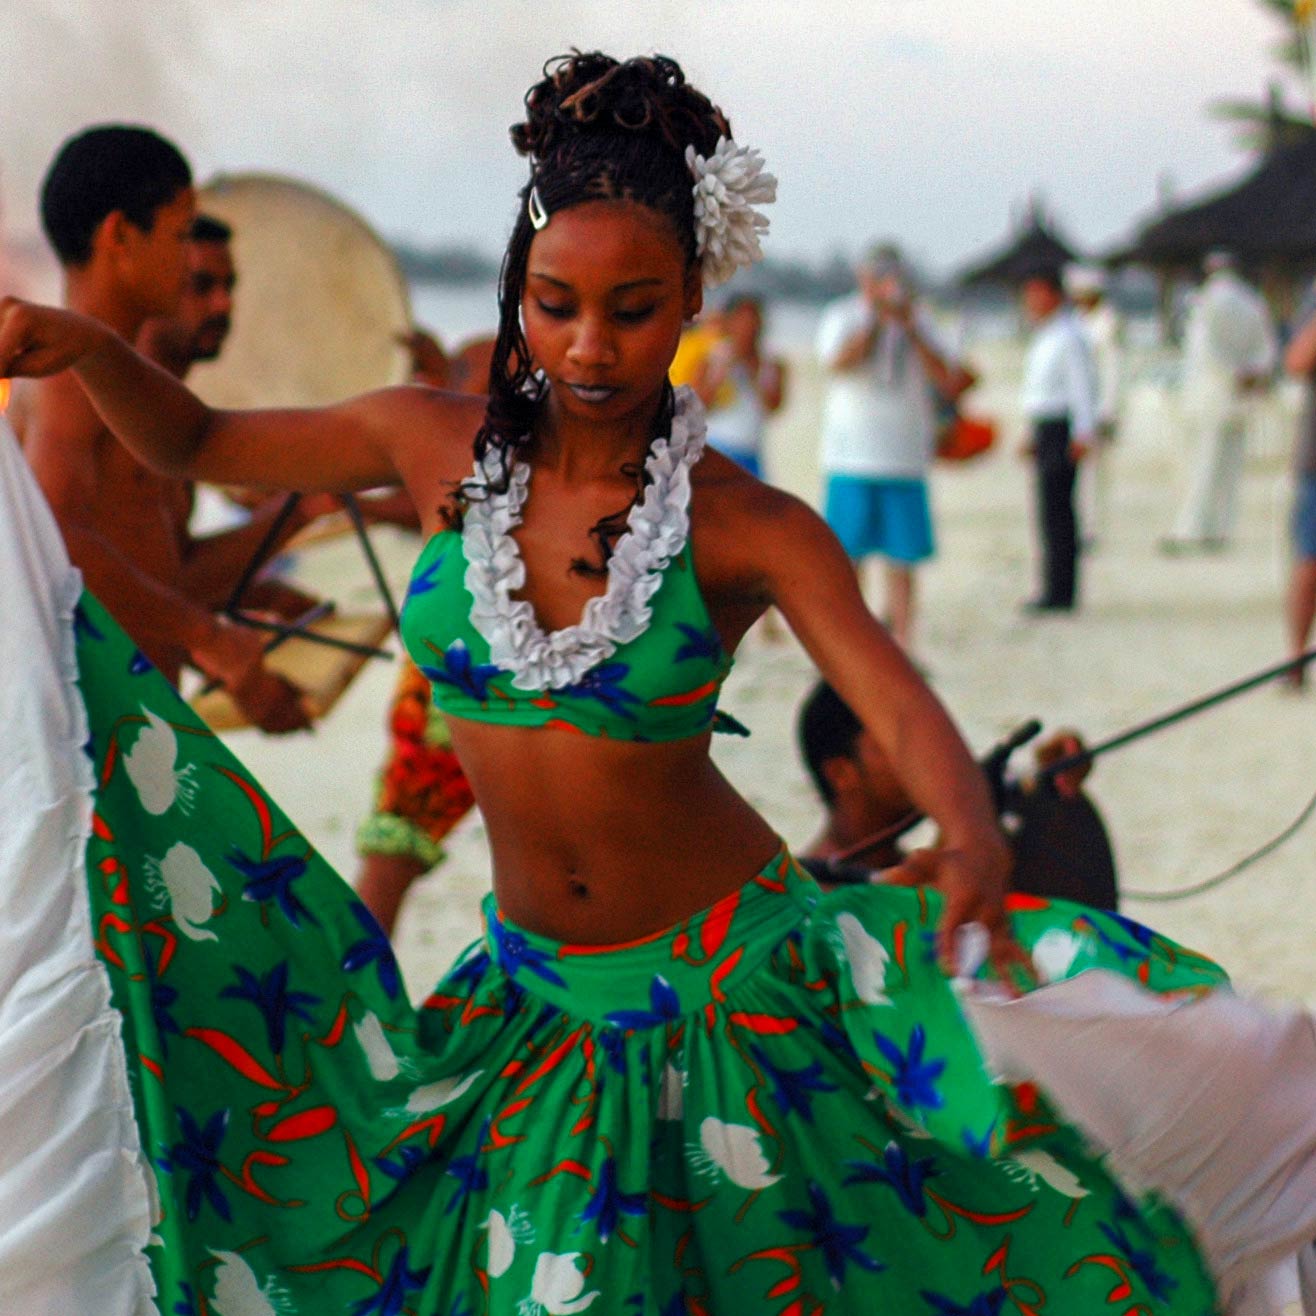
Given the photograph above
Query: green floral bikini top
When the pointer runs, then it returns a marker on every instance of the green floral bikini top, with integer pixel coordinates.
(644, 662)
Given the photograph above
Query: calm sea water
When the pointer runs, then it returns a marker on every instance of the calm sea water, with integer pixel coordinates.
(459, 312)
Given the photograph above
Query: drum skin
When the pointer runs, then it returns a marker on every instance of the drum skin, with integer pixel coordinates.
(319, 301)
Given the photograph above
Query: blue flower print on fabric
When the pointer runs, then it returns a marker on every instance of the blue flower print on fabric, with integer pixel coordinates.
(461, 672)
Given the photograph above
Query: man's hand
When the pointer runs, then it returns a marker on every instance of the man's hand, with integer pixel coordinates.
(1063, 745)
(897, 310)
(235, 657)
(429, 362)
(973, 886)
(1079, 450)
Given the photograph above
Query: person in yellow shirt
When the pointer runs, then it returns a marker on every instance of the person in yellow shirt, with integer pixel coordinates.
(722, 359)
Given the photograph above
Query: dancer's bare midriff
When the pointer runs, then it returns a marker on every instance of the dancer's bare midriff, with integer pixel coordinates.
(599, 841)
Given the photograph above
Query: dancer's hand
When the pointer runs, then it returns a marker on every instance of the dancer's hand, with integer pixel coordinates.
(973, 886)
(41, 340)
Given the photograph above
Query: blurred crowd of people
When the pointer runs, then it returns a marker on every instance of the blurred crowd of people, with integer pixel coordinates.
(895, 382)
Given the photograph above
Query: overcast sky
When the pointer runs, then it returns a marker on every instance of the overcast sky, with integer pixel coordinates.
(929, 122)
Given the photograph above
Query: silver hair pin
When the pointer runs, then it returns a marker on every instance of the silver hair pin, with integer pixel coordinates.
(535, 208)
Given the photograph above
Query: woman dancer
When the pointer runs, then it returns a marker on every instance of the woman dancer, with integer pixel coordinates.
(670, 1078)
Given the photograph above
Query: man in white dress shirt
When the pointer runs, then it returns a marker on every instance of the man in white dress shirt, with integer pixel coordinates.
(1059, 398)
(1230, 351)
(883, 360)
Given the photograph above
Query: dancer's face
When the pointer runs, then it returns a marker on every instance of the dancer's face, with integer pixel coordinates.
(607, 291)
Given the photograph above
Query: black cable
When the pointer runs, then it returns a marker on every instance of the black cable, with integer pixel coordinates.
(1208, 884)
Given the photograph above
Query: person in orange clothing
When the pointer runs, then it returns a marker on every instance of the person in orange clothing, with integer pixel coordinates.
(421, 792)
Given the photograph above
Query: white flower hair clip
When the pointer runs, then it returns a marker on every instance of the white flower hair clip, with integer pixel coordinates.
(728, 185)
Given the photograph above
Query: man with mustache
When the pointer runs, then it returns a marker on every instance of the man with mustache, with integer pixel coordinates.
(213, 563)
(199, 327)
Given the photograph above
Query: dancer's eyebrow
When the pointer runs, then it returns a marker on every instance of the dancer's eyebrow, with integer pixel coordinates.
(620, 287)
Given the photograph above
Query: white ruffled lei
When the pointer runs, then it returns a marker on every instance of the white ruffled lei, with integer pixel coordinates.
(728, 185)
(657, 527)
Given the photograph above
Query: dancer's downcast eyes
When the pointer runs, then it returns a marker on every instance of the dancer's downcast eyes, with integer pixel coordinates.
(632, 315)
(636, 315)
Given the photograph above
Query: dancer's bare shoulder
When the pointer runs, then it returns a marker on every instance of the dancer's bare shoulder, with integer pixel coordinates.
(433, 447)
(745, 531)
(755, 546)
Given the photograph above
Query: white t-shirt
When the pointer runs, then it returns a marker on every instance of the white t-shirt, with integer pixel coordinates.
(1060, 377)
(737, 427)
(878, 418)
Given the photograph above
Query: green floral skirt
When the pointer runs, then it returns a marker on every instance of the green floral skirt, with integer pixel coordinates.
(775, 1106)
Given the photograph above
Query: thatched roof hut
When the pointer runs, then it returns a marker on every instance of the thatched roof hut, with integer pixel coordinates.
(1267, 219)
(1035, 243)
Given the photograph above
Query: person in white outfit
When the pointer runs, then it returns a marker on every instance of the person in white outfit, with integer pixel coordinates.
(1104, 326)
(1230, 350)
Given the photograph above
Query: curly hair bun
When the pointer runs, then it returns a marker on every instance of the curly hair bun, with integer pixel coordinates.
(592, 93)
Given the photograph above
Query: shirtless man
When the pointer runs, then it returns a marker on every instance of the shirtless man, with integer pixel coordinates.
(211, 565)
(117, 205)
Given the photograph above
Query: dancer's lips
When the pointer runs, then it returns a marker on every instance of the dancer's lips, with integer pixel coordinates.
(594, 394)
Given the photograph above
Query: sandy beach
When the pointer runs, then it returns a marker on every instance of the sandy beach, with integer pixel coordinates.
(1153, 632)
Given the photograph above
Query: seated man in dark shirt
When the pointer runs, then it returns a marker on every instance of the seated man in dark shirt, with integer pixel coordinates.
(1061, 847)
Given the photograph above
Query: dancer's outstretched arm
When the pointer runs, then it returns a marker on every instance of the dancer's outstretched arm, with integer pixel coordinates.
(358, 444)
(790, 558)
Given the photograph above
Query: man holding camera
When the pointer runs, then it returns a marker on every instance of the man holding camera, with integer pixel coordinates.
(883, 359)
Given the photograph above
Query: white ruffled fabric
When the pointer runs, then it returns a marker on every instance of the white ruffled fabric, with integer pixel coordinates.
(1211, 1101)
(75, 1192)
(657, 527)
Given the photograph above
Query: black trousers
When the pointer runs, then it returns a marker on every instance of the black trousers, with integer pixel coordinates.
(1057, 521)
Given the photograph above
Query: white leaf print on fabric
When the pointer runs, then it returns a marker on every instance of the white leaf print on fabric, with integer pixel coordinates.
(868, 960)
(374, 1042)
(239, 1293)
(435, 1095)
(151, 767)
(182, 880)
(671, 1096)
(505, 1232)
(735, 1151)
(557, 1287)
(1037, 1164)
(1054, 951)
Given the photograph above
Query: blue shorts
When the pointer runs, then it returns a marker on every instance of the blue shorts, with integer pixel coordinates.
(890, 517)
(1304, 517)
